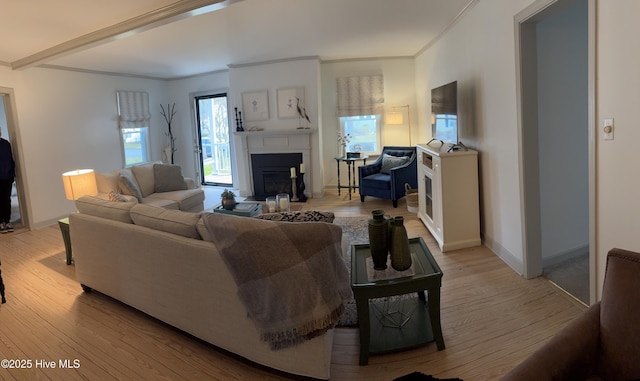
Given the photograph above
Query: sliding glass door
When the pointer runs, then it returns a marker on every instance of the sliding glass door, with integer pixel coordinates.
(213, 139)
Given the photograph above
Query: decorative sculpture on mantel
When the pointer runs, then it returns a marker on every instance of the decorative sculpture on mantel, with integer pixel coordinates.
(302, 114)
(238, 120)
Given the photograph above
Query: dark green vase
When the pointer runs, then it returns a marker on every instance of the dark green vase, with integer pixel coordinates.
(399, 245)
(379, 239)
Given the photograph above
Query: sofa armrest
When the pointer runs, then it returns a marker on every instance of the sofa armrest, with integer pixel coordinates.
(191, 183)
(569, 355)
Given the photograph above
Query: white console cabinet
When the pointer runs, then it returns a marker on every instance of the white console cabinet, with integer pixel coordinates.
(448, 195)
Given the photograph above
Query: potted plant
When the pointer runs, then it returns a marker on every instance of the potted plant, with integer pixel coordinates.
(228, 199)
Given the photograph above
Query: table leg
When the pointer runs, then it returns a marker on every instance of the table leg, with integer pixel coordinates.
(338, 161)
(353, 177)
(362, 306)
(349, 164)
(434, 316)
(66, 237)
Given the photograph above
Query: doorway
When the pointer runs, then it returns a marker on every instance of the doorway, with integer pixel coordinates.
(557, 121)
(214, 151)
(8, 126)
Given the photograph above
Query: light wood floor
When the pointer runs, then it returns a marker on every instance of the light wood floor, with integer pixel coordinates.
(491, 317)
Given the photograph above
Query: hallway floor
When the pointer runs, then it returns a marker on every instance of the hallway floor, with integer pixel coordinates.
(572, 276)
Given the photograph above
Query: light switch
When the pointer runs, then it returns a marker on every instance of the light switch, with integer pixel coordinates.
(607, 130)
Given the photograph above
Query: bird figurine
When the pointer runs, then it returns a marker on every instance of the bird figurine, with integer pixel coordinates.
(302, 112)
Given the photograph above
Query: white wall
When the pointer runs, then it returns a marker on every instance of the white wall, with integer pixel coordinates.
(180, 92)
(67, 120)
(618, 209)
(303, 72)
(479, 52)
(399, 89)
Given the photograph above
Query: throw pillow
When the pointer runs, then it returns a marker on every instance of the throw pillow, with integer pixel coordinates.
(389, 161)
(168, 178)
(303, 216)
(128, 185)
(143, 174)
(115, 196)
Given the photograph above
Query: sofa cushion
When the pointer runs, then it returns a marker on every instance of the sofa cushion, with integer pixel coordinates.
(170, 221)
(389, 161)
(144, 176)
(377, 181)
(94, 206)
(302, 216)
(168, 177)
(188, 199)
(128, 185)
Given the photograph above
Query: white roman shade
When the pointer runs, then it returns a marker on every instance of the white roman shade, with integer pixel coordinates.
(133, 109)
(362, 95)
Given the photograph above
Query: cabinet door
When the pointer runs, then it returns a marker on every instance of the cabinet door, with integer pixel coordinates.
(436, 184)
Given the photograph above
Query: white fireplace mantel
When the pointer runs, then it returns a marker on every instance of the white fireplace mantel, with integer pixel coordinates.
(276, 141)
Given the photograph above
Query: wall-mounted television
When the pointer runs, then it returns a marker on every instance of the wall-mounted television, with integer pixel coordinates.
(444, 113)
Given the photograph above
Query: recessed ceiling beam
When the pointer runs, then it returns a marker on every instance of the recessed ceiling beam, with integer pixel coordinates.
(162, 16)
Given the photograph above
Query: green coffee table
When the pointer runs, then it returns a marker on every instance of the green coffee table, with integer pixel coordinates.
(406, 323)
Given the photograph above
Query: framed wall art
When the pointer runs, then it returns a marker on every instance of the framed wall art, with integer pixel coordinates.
(287, 101)
(255, 105)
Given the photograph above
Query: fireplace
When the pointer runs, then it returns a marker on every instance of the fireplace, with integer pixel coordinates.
(272, 173)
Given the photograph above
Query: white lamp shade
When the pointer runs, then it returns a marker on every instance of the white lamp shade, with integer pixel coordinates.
(78, 183)
(394, 118)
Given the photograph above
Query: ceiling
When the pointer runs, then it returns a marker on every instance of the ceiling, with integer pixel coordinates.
(167, 39)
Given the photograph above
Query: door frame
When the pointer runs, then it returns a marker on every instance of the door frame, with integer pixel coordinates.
(13, 130)
(197, 149)
(526, 94)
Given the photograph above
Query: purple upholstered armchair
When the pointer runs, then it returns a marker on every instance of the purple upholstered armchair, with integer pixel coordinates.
(601, 344)
(385, 177)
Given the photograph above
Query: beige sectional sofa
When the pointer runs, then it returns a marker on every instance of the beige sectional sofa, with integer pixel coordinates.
(155, 260)
(152, 183)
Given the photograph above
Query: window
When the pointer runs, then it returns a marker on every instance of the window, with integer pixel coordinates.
(360, 104)
(364, 131)
(134, 117)
(135, 145)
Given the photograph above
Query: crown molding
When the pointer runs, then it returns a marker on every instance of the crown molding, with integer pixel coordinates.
(281, 60)
(161, 16)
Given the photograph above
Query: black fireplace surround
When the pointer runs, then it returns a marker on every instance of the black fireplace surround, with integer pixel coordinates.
(272, 173)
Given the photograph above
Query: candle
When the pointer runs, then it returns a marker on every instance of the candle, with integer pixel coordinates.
(302, 168)
(272, 206)
(284, 204)
(293, 171)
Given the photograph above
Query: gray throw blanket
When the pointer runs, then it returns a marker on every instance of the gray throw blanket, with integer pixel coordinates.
(291, 277)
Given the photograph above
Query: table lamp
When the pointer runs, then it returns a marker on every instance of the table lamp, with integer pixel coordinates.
(78, 183)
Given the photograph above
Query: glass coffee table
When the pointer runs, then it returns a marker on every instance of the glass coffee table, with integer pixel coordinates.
(398, 320)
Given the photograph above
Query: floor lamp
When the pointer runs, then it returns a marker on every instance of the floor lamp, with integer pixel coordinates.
(396, 118)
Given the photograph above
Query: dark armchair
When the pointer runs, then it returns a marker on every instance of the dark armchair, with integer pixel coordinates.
(601, 344)
(385, 177)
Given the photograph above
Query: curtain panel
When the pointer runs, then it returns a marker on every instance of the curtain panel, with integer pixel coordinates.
(133, 109)
(363, 95)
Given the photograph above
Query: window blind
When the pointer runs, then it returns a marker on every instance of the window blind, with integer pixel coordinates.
(133, 109)
(363, 95)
